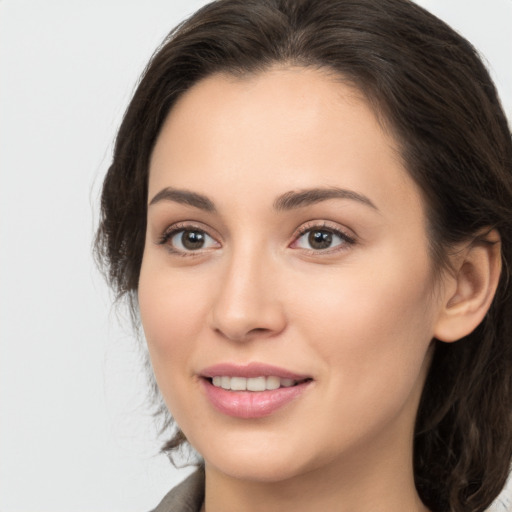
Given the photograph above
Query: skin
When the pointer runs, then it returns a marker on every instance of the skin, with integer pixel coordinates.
(358, 317)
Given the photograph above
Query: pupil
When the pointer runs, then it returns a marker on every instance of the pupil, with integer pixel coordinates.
(192, 239)
(320, 239)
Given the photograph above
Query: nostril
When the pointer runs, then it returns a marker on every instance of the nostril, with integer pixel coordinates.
(258, 330)
(243, 335)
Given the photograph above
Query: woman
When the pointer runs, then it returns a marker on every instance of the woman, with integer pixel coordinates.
(310, 206)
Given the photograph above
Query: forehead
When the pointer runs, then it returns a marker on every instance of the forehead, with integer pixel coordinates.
(283, 129)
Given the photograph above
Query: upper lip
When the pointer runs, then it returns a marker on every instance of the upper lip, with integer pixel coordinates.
(253, 369)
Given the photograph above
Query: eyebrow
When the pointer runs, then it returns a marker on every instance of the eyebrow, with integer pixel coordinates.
(288, 201)
(184, 197)
(298, 199)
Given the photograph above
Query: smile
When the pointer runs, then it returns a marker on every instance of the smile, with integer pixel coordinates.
(252, 383)
(251, 391)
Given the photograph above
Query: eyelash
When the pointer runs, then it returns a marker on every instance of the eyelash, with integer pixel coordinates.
(347, 240)
(172, 231)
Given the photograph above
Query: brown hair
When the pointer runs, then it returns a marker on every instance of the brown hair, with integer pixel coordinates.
(430, 88)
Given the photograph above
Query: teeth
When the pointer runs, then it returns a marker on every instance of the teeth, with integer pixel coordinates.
(238, 383)
(251, 383)
(255, 384)
(273, 382)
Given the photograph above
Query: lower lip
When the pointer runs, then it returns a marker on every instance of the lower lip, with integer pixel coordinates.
(252, 404)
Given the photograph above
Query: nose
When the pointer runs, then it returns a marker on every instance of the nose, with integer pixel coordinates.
(247, 304)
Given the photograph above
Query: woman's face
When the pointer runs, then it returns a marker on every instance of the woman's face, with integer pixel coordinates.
(286, 248)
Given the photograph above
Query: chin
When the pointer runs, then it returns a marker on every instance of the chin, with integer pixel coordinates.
(264, 470)
(264, 460)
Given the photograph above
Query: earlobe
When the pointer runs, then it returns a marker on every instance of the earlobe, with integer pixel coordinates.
(471, 288)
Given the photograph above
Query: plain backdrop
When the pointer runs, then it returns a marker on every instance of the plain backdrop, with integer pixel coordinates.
(76, 433)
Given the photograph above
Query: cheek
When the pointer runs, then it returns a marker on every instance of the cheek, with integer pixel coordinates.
(373, 326)
(171, 314)
(172, 317)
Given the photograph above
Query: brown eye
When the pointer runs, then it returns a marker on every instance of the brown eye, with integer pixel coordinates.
(192, 240)
(320, 239)
(189, 240)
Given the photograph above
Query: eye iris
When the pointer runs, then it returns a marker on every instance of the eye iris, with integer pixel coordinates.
(320, 239)
(192, 239)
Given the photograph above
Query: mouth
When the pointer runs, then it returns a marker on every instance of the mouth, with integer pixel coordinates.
(255, 384)
(252, 391)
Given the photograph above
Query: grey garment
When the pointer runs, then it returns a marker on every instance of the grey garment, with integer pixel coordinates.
(189, 496)
(185, 497)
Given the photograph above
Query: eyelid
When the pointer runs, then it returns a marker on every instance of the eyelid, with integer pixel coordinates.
(173, 229)
(348, 236)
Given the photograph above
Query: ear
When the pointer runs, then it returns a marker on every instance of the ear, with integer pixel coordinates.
(470, 288)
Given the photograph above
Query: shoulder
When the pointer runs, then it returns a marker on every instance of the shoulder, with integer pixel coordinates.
(188, 496)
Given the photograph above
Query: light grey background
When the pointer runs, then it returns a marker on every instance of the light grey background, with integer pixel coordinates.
(75, 431)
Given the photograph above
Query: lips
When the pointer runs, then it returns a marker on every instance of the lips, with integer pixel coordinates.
(251, 391)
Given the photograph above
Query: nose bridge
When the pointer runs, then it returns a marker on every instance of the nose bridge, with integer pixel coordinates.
(247, 302)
